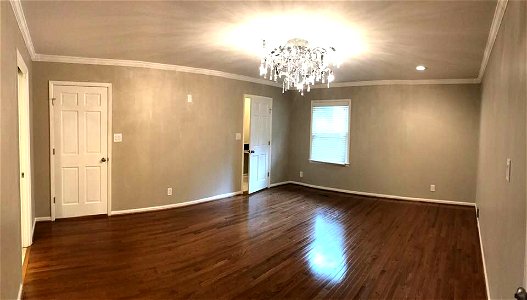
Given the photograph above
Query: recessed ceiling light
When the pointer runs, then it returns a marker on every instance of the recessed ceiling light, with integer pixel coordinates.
(421, 68)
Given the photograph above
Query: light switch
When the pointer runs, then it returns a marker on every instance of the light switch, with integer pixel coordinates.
(189, 98)
(238, 136)
(432, 188)
(117, 137)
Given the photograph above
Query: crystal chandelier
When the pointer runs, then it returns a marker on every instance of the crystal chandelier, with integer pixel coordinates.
(298, 65)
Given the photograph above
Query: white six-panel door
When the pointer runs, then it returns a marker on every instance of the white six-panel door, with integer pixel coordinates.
(260, 143)
(80, 120)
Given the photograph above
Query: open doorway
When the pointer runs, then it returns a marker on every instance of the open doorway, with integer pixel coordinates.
(257, 120)
(246, 133)
(24, 144)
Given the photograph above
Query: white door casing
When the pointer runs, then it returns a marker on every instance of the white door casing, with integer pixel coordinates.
(24, 141)
(80, 148)
(260, 143)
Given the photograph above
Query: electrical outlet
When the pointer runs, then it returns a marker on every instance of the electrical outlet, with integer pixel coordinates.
(238, 136)
(432, 188)
(301, 174)
(169, 191)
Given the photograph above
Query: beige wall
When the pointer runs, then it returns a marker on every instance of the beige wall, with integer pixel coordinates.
(503, 135)
(246, 120)
(403, 138)
(10, 240)
(167, 142)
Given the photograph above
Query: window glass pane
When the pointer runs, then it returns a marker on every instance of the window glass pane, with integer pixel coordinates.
(330, 132)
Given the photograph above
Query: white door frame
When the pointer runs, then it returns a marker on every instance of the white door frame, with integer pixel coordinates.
(525, 249)
(270, 138)
(243, 142)
(26, 222)
(52, 138)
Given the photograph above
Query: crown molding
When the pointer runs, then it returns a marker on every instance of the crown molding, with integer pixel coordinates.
(22, 24)
(24, 29)
(398, 82)
(494, 29)
(168, 67)
(149, 65)
(501, 6)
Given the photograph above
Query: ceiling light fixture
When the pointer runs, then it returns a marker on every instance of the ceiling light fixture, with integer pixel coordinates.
(298, 65)
(421, 68)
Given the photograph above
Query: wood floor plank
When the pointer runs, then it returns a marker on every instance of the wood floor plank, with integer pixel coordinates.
(284, 242)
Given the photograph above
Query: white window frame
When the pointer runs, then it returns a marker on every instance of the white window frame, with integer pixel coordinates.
(330, 103)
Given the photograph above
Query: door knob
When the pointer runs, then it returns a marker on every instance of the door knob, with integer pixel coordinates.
(103, 159)
(520, 294)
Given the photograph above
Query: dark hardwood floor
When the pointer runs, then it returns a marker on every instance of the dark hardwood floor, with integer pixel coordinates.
(285, 242)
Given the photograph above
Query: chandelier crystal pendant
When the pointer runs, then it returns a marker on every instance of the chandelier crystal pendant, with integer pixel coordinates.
(298, 65)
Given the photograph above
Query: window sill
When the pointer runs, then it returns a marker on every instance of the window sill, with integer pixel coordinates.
(329, 163)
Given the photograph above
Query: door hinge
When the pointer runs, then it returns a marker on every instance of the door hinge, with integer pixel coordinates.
(53, 200)
(53, 151)
(477, 212)
(53, 101)
(267, 174)
(269, 143)
(23, 175)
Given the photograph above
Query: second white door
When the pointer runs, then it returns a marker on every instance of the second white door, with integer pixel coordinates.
(260, 143)
(81, 150)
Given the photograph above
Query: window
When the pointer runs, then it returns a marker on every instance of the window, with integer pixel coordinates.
(330, 131)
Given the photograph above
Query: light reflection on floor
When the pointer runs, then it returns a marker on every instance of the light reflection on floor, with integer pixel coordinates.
(326, 257)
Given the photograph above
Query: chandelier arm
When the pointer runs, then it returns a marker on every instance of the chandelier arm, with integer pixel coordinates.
(298, 65)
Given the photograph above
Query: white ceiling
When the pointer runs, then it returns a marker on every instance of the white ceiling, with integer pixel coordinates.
(447, 36)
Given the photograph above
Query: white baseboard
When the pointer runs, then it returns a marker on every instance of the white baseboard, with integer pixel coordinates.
(161, 207)
(279, 183)
(35, 220)
(483, 259)
(33, 229)
(20, 292)
(382, 195)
